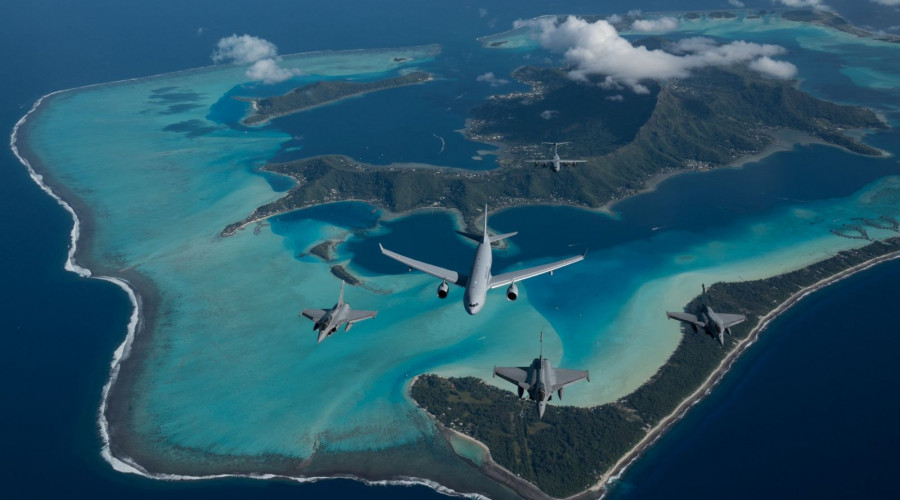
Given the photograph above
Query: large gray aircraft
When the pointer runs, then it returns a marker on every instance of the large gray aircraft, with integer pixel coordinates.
(479, 279)
(715, 324)
(556, 161)
(327, 321)
(540, 379)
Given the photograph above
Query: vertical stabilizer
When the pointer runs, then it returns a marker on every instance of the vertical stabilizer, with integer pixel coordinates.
(486, 237)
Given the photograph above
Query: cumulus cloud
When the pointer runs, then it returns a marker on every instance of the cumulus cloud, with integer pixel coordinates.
(767, 66)
(260, 54)
(549, 113)
(736, 3)
(598, 49)
(655, 25)
(268, 72)
(244, 49)
(815, 4)
(482, 12)
(615, 98)
(889, 3)
(614, 19)
(491, 79)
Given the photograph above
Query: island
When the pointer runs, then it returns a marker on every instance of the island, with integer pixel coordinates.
(574, 450)
(321, 93)
(711, 119)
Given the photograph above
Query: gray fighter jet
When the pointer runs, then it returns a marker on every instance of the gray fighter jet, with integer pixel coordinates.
(479, 279)
(556, 161)
(715, 324)
(540, 379)
(327, 321)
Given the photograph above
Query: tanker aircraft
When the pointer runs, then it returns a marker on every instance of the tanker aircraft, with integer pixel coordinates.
(556, 161)
(479, 279)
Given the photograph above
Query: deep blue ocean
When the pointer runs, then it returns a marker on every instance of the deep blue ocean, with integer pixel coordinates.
(807, 411)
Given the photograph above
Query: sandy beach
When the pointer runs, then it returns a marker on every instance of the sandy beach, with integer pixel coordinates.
(657, 431)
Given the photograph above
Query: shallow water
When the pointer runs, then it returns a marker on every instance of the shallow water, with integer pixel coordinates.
(163, 175)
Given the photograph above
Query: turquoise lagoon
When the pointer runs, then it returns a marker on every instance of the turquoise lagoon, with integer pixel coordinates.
(160, 167)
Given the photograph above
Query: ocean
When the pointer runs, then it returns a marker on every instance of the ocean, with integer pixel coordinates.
(61, 330)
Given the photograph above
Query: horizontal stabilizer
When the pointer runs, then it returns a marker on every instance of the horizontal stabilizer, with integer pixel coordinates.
(472, 236)
(501, 237)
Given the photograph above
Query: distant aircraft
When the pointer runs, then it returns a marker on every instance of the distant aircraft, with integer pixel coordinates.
(556, 161)
(479, 279)
(540, 379)
(328, 321)
(715, 324)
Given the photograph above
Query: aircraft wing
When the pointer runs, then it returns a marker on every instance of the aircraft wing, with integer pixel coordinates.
(688, 318)
(438, 272)
(354, 316)
(314, 314)
(516, 375)
(568, 377)
(507, 278)
(729, 320)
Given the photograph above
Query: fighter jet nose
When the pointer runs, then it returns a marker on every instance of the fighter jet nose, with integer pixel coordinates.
(541, 408)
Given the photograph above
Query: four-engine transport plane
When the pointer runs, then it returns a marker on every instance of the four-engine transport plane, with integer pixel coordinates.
(479, 279)
(328, 321)
(540, 379)
(556, 161)
(715, 324)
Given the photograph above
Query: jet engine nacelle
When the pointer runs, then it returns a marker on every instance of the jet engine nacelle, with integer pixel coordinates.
(443, 290)
(512, 293)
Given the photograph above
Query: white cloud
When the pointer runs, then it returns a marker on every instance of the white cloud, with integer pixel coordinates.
(767, 66)
(634, 13)
(244, 49)
(260, 54)
(736, 3)
(655, 25)
(815, 4)
(491, 79)
(549, 113)
(598, 49)
(889, 3)
(482, 12)
(200, 31)
(614, 19)
(268, 72)
(615, 98)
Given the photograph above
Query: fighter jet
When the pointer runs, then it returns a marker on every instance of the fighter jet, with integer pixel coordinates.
(556, 161)
(540, 379)
(715, 324)
(479, 279)
(328, 321)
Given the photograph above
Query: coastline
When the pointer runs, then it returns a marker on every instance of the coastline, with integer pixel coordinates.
(725, 366)
(143, 308)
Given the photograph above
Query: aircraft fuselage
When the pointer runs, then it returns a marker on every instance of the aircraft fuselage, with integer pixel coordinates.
(479, 279)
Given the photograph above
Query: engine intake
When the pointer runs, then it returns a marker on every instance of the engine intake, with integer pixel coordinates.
(443, 290)
(512, 293)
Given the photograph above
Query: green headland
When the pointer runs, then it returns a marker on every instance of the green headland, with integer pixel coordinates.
(708, 120)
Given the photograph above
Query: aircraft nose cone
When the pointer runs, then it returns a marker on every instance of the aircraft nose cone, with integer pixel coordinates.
(321, 337)
(541, 407)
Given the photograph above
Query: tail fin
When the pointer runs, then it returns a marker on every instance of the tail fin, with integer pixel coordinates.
(341, 297)
(486, 237)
